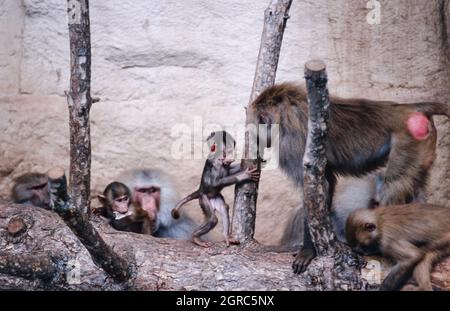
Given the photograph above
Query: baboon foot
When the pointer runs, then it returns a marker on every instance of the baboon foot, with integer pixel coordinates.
(201, 243)
(303, 259)
(232, 241)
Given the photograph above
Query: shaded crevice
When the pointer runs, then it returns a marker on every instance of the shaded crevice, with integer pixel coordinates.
(443, 21)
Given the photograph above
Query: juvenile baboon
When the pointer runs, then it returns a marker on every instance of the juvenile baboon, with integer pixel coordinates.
(415, 236)
(31, 188)
(218, 173)
(116, 201)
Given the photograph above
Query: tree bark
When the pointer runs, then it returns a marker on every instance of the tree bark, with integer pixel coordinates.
(346, 269)
(79, 101)
(101, 253)
(159, 263)
(314, 160)
(27, 266)
(246, 194)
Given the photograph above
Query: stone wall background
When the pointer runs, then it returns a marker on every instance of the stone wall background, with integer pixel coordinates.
(158, 63)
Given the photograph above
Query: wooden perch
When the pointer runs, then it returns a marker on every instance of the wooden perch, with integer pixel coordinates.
(347, 265)
(27, 266)
(246, 194)
(314, 160)
(160, 264)
(80, 102)
(75, 208)
(101, 253)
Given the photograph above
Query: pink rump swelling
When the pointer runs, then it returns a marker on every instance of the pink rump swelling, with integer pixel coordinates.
(418, 125)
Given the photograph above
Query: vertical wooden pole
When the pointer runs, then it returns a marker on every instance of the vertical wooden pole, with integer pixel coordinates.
(246, 194)
(345, 272)
(79, 101)
(315, 186)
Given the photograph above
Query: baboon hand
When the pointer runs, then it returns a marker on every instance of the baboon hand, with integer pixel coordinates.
(251, 174)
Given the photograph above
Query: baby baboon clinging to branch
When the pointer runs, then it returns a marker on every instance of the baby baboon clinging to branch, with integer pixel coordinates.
(363, 136)
(218, 173)
(31, 188)
(416, 236)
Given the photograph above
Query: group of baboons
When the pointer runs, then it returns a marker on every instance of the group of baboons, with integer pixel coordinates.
(364, 136)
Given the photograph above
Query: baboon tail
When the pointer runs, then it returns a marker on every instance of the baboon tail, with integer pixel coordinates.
(192, 196)
(431, 109)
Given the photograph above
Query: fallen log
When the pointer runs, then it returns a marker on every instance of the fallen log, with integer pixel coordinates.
(158, 264)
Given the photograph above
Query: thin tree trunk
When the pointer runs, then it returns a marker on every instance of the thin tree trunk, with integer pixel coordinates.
(246, 194)
(79, 101)
(314, 160)
(102, 255)
(345, 270)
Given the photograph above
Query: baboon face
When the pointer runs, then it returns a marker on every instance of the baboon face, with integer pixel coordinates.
(222, 147)
(121, 204)
(40, 195)
(260, 125)
(116, 198)
(361, 235)
(148, 198)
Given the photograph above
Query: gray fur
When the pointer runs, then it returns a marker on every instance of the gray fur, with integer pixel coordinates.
(168, 227)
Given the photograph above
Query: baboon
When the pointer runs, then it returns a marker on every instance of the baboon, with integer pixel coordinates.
(218, 173)
(32, 188)
(416, 236)
(116, 206)
(153, 192)
(363, 136)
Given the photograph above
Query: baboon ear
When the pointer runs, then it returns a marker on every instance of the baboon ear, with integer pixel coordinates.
(101, 198)
(370, 226)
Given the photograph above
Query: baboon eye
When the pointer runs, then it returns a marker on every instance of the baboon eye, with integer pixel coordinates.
(213, 148)
(39, 187)
(152, 189)
(264, 119)
(278, 99)
(123, 199)
(370, 226)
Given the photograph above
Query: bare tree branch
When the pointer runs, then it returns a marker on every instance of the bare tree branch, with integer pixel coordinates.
(314, 160)
(79, 101)
(246, 194)
(345, 271)
(101, 253)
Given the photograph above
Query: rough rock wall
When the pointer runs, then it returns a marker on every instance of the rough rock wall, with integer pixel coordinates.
(11, 27)
(160, 63)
